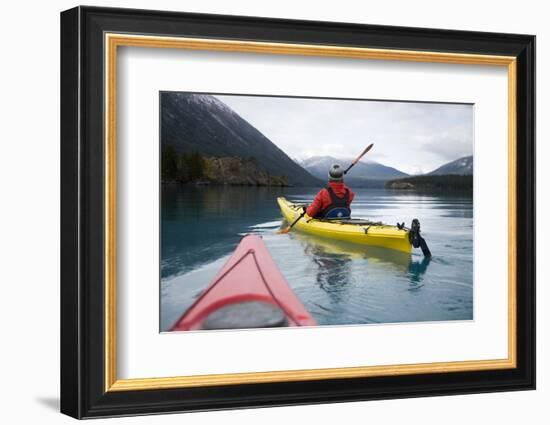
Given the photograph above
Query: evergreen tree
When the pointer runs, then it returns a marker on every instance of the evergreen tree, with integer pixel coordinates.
(196, 166)
(169, 163)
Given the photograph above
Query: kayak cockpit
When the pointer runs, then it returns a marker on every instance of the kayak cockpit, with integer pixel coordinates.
(248, 315)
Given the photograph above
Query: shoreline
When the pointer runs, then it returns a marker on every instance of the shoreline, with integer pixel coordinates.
(412, 191)
(211, 184)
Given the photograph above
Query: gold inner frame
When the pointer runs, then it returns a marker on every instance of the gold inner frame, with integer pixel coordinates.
(113, 41)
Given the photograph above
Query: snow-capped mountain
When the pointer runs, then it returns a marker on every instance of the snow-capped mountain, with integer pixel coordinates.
(363, 170)
(462, 166)
(202, 123)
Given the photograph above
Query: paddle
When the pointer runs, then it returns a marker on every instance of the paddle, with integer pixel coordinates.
(355, 161)
(287, 229)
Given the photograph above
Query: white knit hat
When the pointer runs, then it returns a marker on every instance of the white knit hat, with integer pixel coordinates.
(336, 173)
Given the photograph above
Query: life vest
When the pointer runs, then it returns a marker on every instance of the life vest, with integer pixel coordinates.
(338, 207)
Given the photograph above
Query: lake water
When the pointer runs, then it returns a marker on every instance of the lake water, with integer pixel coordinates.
(339, 283)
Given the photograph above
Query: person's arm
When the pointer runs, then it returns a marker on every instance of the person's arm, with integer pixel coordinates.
(351, 196)
(316, 205)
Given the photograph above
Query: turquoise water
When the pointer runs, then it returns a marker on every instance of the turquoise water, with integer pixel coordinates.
(338, 283)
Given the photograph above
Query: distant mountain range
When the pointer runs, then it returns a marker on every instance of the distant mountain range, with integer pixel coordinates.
(366, 169)
(366, 173)
(372, 170)
(369, 173)
(460, 167)
(204, 124)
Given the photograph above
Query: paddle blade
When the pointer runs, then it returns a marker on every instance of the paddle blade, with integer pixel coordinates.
(356, 160)
(283, 231)
(368, 148)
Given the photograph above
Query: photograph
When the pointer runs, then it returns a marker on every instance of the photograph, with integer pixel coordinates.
(284, 210)
(279, 211)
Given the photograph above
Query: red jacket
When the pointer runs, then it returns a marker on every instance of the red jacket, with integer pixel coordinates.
(322, 200)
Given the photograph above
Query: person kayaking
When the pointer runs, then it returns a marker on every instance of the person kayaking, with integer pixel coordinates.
(333, 201)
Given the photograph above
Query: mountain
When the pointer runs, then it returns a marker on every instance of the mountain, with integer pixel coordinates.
(204, 124)
(462, 167)
(455, 176)
(366, 173)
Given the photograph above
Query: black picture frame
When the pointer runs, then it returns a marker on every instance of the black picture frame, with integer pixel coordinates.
(83, 392)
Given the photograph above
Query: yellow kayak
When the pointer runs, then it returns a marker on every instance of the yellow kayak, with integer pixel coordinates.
(355, 231)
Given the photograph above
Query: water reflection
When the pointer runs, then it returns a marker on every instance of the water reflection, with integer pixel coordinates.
(333, 274)
(334, 260)
(338, 282)
(415, 272)
(200, 224)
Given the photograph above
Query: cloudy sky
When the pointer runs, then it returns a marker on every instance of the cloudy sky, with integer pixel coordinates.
(412, 137)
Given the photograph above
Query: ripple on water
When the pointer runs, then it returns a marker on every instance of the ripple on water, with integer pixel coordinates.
(339, 284)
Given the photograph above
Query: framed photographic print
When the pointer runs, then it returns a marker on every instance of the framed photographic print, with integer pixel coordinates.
(261, 212)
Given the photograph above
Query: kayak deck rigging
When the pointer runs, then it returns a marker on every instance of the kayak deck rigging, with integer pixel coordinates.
(359, 231)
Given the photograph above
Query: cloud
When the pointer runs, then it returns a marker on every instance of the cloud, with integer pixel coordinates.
(409, 136)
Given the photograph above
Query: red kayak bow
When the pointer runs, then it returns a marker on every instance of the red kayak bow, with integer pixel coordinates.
(248, 292)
